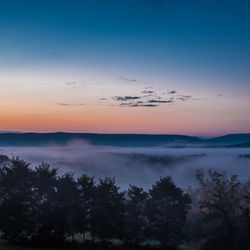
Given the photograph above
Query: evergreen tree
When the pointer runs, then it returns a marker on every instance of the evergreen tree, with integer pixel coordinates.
(17, 200)
(167, 210)
(108, 211)
(86, 187)
(135, 214)
(67, 207)
(46, 209)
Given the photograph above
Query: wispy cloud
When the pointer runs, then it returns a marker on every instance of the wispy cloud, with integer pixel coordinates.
(127, 80)
(147, 92)
(139, 95)
(69, 104)
(160, 101)
(184, 97)
(126, 98)
(64, 104)
(137, 104)
(172, 92)
(149, 105)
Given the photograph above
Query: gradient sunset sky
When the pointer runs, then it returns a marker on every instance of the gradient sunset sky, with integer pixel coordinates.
(125, 66)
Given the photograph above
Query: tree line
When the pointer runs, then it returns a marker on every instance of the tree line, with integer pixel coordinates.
(39, 206)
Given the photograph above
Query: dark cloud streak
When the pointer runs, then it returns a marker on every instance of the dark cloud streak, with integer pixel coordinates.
(126, 98)
(172, 92)
(138, 104)
(147, 92)
(64, 104)
(184, 97)
(160, 101)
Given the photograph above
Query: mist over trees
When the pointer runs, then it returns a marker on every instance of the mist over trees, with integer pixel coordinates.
(37, 206)
(224, 204)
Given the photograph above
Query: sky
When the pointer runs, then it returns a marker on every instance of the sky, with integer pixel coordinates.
(127, 66)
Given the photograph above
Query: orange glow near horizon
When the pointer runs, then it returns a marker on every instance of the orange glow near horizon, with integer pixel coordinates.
(30, 105)
(99, 119)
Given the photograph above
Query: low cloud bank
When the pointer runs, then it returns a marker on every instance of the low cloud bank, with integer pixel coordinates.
(139, 166)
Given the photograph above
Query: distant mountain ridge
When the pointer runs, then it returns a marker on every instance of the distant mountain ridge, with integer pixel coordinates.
(231, 139)
(123, 140)
(39, 139)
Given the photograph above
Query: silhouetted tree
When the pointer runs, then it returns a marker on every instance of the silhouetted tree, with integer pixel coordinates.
(39, 206)
(87, 189)
(46, 209)
(243, 232)
(108, 210)
(195, 229)
(220, 199)
(67, 207)
(167, 210)
(135, 214)
(17, 200)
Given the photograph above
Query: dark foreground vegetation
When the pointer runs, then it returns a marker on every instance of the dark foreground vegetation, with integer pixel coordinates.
(40, 208)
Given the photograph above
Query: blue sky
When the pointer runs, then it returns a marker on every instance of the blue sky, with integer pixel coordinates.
(197, 48)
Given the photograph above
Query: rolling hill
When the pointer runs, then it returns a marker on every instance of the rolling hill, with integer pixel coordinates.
(122, 140)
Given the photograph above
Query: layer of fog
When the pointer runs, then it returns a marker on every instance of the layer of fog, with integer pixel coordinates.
(140, 166)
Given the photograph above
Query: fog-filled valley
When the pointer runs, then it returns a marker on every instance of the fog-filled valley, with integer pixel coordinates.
(140, 166)
(101, 191)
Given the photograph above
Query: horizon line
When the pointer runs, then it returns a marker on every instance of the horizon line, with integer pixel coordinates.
(105, 133)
